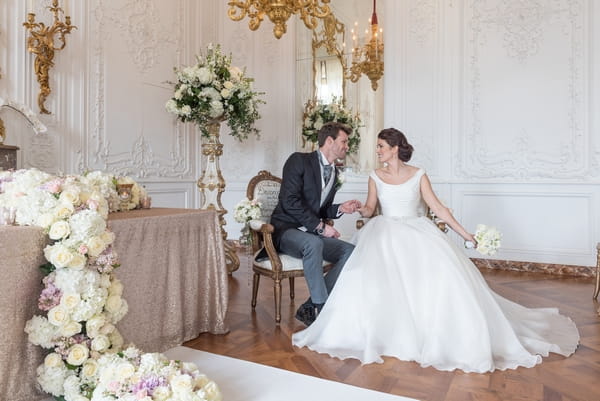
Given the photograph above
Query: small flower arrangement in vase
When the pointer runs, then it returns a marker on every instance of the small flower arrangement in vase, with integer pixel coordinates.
(212, 90)
(245, 211)
(317, 113)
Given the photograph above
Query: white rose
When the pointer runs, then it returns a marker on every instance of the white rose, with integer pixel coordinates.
(113, 303)
(58, 316)
(89, 369)
(93, 325)
(53, 360)
(59, 255)
(45, 220)
(181, 384)
(100, 343)
(236, 73)
(226, 93)
(78, 354)
(63, 210)
(70, 300)
(70, 195)
(116, 288)
(186, 110)
(116, 339)
(108, 237)
(70, 329)
(228, 84)
(77, 262)
(95, 246)
(125, 370)
(161, 393)
(212, 392)
(107, 328)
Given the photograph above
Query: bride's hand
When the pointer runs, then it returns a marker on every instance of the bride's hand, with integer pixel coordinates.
(470, 238)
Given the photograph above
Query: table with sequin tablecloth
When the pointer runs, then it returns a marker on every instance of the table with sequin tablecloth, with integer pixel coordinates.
(174, 276)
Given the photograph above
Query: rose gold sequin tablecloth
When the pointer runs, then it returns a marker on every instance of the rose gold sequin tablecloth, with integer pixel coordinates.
(173, 272)
(21, 253)
(174, 275)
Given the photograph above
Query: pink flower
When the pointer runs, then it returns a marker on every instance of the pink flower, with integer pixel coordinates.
(53, 186)
(92, 204)
(83, 249)
(114, 386)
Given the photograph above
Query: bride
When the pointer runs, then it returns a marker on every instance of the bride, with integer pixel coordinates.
(407, 291)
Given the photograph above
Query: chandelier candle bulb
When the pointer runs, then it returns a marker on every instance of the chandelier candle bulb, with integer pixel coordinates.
(29, 6)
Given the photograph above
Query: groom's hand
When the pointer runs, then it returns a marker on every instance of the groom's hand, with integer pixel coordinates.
(330, 232)
(350, 206)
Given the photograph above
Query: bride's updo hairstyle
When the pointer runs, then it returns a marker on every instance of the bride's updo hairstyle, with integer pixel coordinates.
(393, 137)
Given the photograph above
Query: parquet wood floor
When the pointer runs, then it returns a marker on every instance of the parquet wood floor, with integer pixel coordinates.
(254, 337)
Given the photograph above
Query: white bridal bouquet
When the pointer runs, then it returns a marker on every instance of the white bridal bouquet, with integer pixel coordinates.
(214, 90)
(245, 211)
(82, 300)
(488, 240)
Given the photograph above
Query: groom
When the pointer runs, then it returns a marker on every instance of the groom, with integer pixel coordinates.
(305, 202)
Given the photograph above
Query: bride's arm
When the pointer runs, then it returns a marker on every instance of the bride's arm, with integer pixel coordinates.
(442, 211)
(369, 208)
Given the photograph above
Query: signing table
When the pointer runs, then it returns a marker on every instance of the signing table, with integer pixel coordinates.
(173, 272)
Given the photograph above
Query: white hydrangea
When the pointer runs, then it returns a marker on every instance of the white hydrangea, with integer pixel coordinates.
(41, 332)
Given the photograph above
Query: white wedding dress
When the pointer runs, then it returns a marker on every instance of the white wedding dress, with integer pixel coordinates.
(407, 291)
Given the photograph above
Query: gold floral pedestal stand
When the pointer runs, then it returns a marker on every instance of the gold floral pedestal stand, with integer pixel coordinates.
(212, 185)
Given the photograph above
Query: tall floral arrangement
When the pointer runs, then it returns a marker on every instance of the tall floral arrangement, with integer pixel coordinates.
(213, 89)
(82, 299)
(317, 113)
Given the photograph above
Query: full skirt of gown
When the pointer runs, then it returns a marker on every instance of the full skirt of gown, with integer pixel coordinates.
(408, 292)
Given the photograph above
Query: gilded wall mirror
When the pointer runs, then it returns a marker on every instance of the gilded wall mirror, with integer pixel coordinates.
(328, 63)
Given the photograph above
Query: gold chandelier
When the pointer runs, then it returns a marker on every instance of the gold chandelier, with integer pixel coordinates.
(278, 11)
(368, 59)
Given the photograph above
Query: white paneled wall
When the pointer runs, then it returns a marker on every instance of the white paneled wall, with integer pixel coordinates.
(499, 98)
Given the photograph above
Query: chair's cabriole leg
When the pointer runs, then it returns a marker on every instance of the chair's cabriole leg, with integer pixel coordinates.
(255, 282)
(292, 294)
(597, 288)
(277, 301)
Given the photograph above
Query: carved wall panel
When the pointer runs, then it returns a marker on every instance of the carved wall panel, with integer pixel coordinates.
(526, 104)
(136, 45)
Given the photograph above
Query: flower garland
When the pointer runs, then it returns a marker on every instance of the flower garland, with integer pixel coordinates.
(316, 114)
(214, 90)
(83, 299)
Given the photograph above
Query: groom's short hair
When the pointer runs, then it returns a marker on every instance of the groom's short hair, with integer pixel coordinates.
(332, 129)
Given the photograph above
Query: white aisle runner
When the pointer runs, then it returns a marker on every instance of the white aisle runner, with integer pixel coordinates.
(247, 381)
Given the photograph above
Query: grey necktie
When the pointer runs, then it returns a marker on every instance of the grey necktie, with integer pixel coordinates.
(327, 170)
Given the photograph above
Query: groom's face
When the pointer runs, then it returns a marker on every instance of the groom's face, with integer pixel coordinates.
(339, 145)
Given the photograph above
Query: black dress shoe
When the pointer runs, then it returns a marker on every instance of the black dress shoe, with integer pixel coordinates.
(306, 313)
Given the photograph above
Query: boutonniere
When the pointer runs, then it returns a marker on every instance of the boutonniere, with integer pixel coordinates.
(339, 178)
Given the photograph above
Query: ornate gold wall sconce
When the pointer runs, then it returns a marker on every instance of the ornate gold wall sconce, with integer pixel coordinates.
(278, 11)
(41, 43)
(368, 59)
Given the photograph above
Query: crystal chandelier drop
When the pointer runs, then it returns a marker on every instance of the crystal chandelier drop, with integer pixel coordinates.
(278, 11)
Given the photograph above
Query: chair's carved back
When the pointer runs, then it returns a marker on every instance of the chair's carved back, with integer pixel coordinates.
(264, 187)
